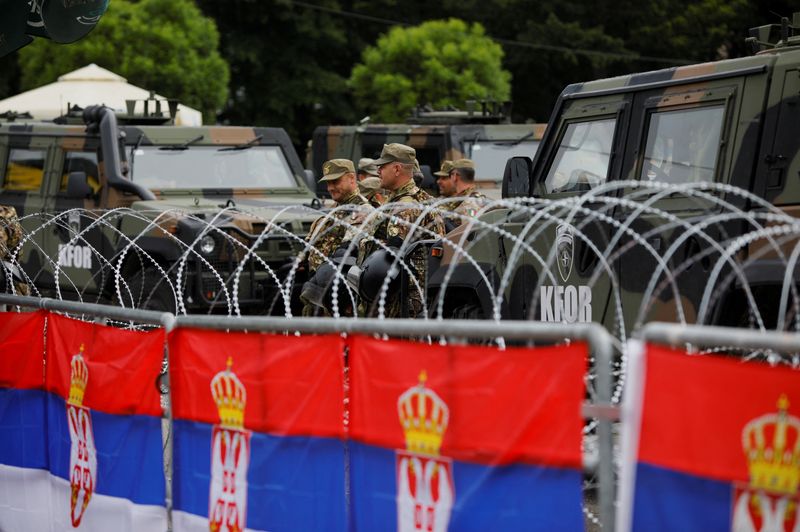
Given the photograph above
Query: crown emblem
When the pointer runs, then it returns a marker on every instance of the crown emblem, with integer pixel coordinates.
(772, 447)
(231, 397)
(78, 377)
(423, 417)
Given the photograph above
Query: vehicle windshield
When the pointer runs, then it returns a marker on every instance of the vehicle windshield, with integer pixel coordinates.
(211, 167)
(583, 156)
(490, 156)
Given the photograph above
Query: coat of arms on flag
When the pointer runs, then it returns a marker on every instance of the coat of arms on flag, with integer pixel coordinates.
(83, 454)
(770, 502)
(425, 488)
(230, 454)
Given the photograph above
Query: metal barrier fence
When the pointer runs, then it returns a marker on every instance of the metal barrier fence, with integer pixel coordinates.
(599, 341)
(696, 429)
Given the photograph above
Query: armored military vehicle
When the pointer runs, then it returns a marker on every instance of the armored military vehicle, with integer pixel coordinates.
(135, 210)
(652, 196)
(485, 135)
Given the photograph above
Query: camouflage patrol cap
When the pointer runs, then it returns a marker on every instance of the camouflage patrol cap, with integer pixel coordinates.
(370, 185)
(445, 170)
(397, 153)
(463, 163)
(336, 168)
(368, 166)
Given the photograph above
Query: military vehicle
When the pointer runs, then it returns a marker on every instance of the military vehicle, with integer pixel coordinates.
(483, 134)
(610, 144)
(132, 209)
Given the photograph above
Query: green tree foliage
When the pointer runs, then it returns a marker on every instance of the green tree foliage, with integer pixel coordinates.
(288, 63)
(441, 62)
(163, 45)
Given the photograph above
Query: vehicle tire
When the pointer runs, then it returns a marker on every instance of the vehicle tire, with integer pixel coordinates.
(148, 291)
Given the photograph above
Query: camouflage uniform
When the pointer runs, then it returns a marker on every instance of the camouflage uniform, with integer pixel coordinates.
(371, 189)
(328, 232)
(406, 207)
(468, 204)
(10, 237)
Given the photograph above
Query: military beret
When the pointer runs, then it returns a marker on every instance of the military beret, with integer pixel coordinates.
(463, 163)
(336, 168)
(445, 170)
(368, 166)
(397, 153)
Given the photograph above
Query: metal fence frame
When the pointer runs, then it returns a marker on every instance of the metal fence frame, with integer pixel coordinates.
(676, 335)
(599, 342)
(692, 338)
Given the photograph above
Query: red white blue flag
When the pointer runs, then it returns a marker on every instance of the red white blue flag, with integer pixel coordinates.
(87, 448)
(711, 443)
(258, 425)
(465, 438)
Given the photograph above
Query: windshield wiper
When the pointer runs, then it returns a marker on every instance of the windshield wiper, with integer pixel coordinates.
(515, 142)
(248, 144)
(184, 146)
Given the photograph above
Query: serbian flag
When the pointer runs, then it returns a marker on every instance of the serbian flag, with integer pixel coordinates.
(23, 441)
(465, 438)
(102, 465)
(710, 443)
(258, 425)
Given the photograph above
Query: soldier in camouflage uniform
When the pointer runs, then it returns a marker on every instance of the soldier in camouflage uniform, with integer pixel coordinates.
(329, 232)
(394, 226)
(366, 169)
(10, 237)
(457, 180)
(371, 189)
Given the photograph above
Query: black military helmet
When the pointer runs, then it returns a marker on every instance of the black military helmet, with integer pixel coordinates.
(374, 270)
(319, 289)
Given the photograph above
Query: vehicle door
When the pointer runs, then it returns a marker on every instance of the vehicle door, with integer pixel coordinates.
(78, 240)
(24, 163)
(682, 135)
(561, 277)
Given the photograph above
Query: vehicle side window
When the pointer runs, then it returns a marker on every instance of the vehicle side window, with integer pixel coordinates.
(24, 170)
(682, 145)
(81, 161)
(583, 156)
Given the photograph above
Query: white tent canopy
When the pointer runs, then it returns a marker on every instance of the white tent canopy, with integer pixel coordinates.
(90, 85)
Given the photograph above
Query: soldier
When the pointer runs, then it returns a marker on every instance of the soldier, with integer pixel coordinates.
(371, 189)
(367, 169)
(329, 232)
(444, 171)
(459, 183)
(393, 227)
(10, 236)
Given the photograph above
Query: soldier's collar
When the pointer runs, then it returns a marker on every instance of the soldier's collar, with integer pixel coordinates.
(406, 190)
(350, 199)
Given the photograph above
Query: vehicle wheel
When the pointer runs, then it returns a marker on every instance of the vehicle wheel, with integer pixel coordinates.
(148, 291)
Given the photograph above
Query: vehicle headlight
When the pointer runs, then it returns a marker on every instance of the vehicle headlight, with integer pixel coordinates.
(207, 245)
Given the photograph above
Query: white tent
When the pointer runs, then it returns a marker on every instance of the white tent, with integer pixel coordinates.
(90, 85)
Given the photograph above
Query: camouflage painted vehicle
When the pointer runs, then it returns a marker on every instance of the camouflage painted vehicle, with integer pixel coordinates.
(485, 136)
(125, 199)
(732, 122)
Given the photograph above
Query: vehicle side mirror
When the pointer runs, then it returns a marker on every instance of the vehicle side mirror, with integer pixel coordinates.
(311, 181)
(517, 177)
(78, 186)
